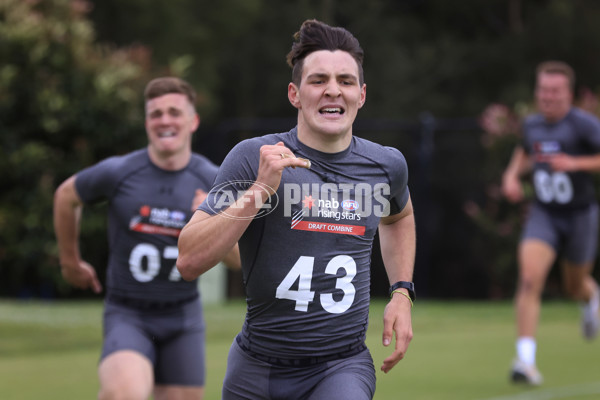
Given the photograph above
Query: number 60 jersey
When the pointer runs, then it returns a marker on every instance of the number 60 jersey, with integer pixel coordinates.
(306, 256)
(148, 207)
(577, 134)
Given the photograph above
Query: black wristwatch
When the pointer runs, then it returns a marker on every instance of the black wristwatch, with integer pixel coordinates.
(404, 285)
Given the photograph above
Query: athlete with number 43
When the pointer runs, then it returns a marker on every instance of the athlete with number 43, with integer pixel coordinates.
(561, 147)
(305, 206)
(153, 323)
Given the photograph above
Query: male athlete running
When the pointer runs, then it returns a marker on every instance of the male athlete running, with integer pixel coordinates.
(305, 206)
(561, 147)
(153, 323)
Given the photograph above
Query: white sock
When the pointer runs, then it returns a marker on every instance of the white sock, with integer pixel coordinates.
(526, 349)
(590, 308)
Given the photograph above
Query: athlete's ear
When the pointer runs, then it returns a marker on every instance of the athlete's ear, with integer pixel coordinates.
(363, 95)
(196, 123)
(294, 95)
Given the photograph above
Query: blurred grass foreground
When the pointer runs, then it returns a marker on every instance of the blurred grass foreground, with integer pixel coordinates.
(460, 350)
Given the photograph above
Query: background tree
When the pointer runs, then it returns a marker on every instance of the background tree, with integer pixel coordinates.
(65, 102)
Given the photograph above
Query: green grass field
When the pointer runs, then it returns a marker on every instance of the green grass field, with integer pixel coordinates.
(461, 350)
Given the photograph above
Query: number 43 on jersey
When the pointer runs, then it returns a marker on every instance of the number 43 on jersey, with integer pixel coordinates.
(302, 272)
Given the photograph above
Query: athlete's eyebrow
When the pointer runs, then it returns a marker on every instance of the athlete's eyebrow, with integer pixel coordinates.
(155, 113)
(171, 110)
(323, 75)
(320, 75)
(349, 77)
(175, 110)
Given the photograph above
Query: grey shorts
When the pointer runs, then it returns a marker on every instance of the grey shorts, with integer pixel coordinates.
(172, 339)
(573, 234)
(248, 378)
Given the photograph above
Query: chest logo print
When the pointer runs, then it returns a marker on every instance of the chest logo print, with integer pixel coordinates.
(158, 221)
(328, 209)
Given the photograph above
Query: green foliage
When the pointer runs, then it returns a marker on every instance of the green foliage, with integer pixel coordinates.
(190, 36)
(65, 102)
(499, 222)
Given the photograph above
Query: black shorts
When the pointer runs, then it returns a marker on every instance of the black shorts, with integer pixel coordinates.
(572, 233)
(172, 339)
(351, 378)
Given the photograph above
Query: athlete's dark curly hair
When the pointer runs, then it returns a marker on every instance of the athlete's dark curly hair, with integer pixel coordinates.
(316, 35)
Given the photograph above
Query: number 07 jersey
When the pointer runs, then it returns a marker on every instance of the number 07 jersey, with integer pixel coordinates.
(306, 255)
(577, 134)
(147, 208)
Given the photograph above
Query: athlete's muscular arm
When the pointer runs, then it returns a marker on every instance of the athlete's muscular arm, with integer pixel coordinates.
(569, 163)
(206, 239)
(398, 246)
(511, 182)
(67, 217)
(231, 259)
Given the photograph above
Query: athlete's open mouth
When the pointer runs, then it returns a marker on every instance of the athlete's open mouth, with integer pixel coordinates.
(332, 110)
(166, 134)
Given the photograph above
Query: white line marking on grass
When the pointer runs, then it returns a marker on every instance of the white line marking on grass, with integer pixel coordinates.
(554, 393)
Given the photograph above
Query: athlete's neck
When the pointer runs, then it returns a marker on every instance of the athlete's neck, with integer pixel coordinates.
(555, 117)
(325, 143)
(170, 162)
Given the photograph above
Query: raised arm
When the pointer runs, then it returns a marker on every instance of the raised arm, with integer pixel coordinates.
(67, 217)
(206, 239)
(398, 247)
(569, 163)
(231, 259)
(589, 133)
